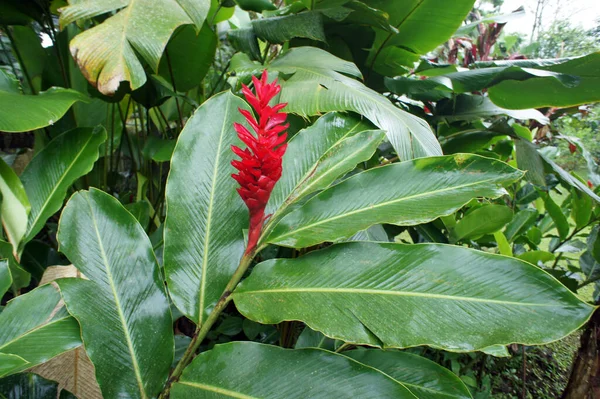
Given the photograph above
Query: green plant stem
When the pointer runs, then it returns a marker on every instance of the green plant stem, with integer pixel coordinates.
(203, 329)
(212, 91)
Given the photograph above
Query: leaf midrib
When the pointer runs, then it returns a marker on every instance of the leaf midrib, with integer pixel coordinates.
(369, 291)
(288, 200)
(212, 388)
(53, 191)
(364, 145)
(136, 367)
(209, 216)
(382, 204)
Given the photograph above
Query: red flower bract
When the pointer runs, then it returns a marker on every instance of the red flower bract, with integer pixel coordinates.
(260, 164)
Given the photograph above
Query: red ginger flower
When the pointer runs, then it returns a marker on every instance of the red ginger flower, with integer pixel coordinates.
(260, 164)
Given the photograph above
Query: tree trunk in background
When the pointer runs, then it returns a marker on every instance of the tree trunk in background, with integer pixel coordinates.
(584, 382)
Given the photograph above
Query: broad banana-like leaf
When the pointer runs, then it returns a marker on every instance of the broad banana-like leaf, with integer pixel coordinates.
(191, 54)
(485, 220)
(406, 193)
(424, 378)
(14, 207)
(422, 25)
(281, 29)
(319, 84)
(5, 277)
(21, 113)
(396, 295)
(205, 219)
(8, 363)
(541, 92)
(54, 169)
(29, 385)
(123, 309)
(19, 277)
(317, 156)
(108, 53)
(282, 373)
(36, 327)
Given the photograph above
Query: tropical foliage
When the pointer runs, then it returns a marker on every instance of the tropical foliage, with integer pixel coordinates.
(393, 196)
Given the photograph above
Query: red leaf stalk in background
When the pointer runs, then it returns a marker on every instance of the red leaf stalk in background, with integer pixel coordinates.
(260, 164)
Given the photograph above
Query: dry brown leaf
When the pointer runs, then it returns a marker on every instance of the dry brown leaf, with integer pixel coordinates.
(55, 272)
(74, 372)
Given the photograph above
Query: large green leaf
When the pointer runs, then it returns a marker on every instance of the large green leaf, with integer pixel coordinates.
(530, 161)
(440, 86)
(484, 220)
(36, 327)
(281, 29)
(191, 54)
(19, 276)
(424, 378)
(560, 220)
(407, 193)
(5, 277)
(422, 26)
(123, 309)
(395, 295)
(108, 53)
(21, 113)
(318, 155)
(319, 84)
(543, 92)
(520, 223)
(282, 373)
(469, 107)
(566, 177)
(8, 363)
(32, 55)
(14, 207)
(205, 217)
(54, 169)
(31, 386)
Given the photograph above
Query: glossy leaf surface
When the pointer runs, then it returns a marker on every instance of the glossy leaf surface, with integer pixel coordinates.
(307, 25)
(108, 53)
(484, 220)
(522, 221)
(407, 193)
(43, 109)
(19, 276)
(14, 206)
(395, 295)
(542, 92)
(282, 373)
(319, 84)
(205, 216)
(30, 386)
(5, 277)
(36, 327)
(422, 25)
(303, 154)
(123, 309)
(190, 55)
(424, 378)
(55, 168)
(9, 363)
